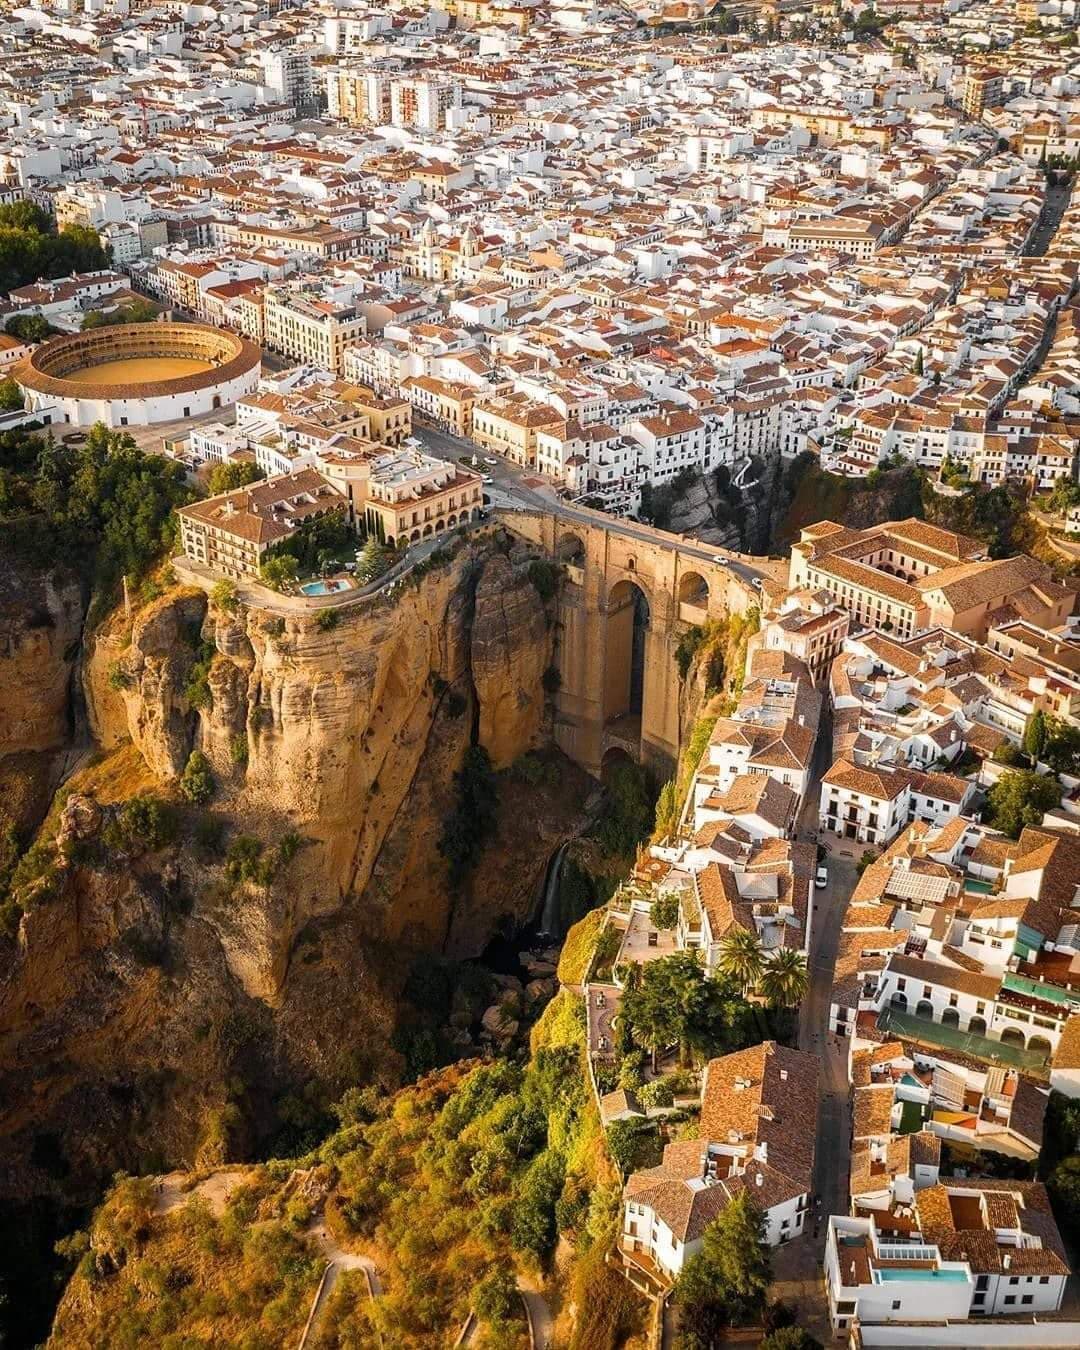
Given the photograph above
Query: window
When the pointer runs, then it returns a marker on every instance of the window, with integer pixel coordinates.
(1027, 1298)
(1010, 1298)
(896, 1305)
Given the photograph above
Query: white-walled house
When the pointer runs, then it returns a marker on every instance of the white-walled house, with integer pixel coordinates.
(979, 1249)
(867, 805)
(872, 805)
(756, 1133)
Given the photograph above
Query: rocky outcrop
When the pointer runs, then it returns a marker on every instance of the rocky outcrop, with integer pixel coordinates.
(511, 649)
(41, 619)
(698, 512)
(143, 983)
(152, 673)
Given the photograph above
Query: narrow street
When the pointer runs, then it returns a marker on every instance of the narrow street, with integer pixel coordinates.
(1057, 199)
(798, 1267)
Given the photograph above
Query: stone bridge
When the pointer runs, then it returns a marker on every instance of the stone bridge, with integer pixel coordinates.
(630, 592)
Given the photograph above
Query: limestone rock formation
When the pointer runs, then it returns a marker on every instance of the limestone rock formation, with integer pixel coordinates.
(511, 648)
(140, 983)
(41, 618)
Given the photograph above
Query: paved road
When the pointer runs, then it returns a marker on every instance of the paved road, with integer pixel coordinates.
(799, 1266)
(536, 1310)
(509, 488)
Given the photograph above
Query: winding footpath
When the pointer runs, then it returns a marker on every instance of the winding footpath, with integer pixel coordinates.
(338, 1260)
(174, 1190)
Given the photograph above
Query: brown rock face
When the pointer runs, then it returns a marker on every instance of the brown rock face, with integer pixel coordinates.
(41, 618)
(40, 622)
(158, 967)
(511, 649)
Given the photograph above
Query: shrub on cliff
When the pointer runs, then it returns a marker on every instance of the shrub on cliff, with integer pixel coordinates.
(224, 595)
(544, 576)
(471, 823)
(142, 825)
(197, 780)
(197, 683)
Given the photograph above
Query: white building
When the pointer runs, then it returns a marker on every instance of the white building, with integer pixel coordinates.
(757, 1128)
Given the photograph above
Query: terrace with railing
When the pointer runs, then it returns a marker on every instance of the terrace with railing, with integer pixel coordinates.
(925, 1031)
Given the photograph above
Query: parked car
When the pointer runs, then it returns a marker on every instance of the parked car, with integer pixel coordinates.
(490, 459)
(488, 478)
(821, 880)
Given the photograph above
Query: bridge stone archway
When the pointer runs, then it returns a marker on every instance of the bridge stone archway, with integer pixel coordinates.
(626, 601)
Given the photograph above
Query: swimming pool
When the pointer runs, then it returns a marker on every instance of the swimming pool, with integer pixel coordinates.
(334, 586)
(978, 887)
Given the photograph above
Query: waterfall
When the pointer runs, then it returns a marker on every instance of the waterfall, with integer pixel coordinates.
(550, 918)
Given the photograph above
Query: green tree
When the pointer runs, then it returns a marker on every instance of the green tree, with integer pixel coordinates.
(664, 911)
(784, 980)
(138, 311)
(1035, 735)
(917, 368)
(141, 824)
(373, 560)
(1021, 798)
(633, 1144)
(230, 475)
(197, 780)
(726, 1282)
(223, 593)
(1064, 1187)
(1061, 749)
(11, 395)
(28, 327)
(495, 1299)
(671, 1002)
(1066, 493)
(533, 1229)
(31, 248)
(740, 957)
(278, 571)
(1007, 753)
(789, 1338)
(472, 822)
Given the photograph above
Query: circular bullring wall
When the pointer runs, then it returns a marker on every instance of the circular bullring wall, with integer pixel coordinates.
(137, 374)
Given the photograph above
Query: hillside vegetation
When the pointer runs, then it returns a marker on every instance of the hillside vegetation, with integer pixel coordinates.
(475, 1173)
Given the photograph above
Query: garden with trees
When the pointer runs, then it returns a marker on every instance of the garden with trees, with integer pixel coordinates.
(32, 249)
(103, 507)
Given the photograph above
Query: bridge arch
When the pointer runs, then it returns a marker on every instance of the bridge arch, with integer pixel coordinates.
(629, 604)
(627, 619)
(570, 548)
(693, 590)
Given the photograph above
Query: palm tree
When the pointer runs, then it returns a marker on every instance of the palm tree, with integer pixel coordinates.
(740, 957)
(784, 980)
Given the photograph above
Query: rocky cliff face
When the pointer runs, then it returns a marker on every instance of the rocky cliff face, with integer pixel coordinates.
(737, 518)
(41, 620)
(145, 978)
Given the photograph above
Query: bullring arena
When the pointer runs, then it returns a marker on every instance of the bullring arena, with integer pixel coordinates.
(138, 374)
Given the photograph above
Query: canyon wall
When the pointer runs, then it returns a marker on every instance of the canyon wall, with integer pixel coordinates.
(145, 976)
